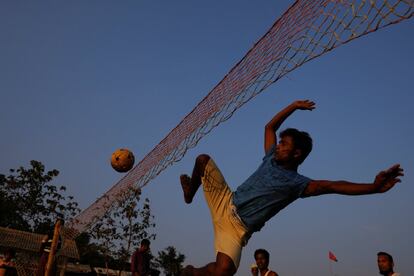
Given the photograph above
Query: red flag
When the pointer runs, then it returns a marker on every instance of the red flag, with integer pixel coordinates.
(332, 257)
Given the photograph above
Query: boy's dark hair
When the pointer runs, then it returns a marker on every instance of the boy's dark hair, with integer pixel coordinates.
(261, 251)
(301, 140)
(145, 242)
(381, 253)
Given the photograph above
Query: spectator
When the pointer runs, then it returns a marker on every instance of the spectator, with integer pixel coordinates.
(140, 260)
(386, 264)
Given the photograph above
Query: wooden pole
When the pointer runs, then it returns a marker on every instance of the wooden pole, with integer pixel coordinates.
(63, 269)
(52, 253)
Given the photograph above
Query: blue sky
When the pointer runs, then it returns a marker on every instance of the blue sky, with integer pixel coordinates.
(80, 79)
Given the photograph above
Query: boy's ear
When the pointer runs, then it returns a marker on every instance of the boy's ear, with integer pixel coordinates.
(297, 154)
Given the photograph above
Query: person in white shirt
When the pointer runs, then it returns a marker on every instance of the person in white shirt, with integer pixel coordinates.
(262, 264)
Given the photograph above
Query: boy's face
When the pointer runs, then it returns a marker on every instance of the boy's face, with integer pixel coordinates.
(261, 261)
(285, 150)
(144, 248)
(384, 264)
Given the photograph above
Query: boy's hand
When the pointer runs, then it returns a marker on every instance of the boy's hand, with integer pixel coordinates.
(385, 180)
(304, 105)
(254, 270)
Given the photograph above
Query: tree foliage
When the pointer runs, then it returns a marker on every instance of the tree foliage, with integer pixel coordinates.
(170, 261)
(91, 253)
(121, 229)
(29, 202)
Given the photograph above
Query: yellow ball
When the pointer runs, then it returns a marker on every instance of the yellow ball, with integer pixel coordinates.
(122, 160)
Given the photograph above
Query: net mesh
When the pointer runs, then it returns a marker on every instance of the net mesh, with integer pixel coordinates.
(305, 31)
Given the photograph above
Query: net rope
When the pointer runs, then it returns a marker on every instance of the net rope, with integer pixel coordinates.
(307, 30)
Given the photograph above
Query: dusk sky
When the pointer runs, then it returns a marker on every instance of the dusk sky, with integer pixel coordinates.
(80, 79)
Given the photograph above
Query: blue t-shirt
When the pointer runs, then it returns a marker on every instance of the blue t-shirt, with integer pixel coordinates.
(267, 191)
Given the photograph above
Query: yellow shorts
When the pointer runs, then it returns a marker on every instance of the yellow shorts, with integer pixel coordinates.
(230, 234)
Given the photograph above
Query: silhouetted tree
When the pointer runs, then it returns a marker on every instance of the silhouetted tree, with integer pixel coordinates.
(121, 229)
(29, 202)
(170, 261)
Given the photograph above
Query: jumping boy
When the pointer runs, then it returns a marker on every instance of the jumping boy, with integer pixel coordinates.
(274, 185)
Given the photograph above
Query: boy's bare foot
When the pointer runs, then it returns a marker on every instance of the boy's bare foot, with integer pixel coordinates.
(187, 189)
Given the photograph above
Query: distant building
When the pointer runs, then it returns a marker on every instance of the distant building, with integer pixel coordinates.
(110, 272)
(28, 245)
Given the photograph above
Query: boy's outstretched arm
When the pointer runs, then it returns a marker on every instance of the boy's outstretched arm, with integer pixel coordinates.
(273, 125)
(383, 182)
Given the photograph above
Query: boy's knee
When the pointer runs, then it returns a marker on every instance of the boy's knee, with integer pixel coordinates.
(225, 270)
(225, 265)
(202, 160)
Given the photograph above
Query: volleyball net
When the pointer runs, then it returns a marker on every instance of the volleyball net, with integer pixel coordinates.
(307, 30)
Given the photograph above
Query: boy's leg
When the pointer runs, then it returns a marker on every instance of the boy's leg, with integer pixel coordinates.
(191, 185)
(218, 197)
(223, 266)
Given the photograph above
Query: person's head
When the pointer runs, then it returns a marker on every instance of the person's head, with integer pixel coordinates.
(9, 254)
(293, 147)
(145, 245)
(385, 263)
(262, 258)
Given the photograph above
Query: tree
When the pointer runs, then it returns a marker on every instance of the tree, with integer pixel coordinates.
(121, 229)
(170, 261)
(29, 203)
(89, 252)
